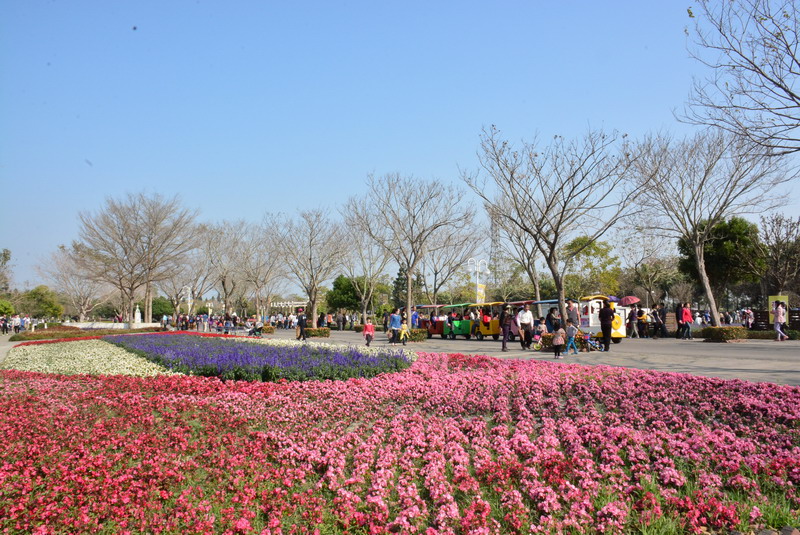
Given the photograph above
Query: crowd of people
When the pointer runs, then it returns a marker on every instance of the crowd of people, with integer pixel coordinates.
(17, 322)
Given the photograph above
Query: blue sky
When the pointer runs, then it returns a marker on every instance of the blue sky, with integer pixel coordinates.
(246, 107)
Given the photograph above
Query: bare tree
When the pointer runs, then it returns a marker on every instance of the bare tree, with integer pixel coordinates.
(133, 242)
(314, 246)
(403, 215)
(700, 181)
(194, 276)
(68, 278)
(224, 249)
(556, 192)
(780, 246)
(647, 256)
(447, 255)
(752, 48)
(168, 235)
(365, 264)
(109, 249)
(521, 247)
(262, 266)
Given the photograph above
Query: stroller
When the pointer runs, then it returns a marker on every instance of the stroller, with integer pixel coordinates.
(256, 330)
(591, 343)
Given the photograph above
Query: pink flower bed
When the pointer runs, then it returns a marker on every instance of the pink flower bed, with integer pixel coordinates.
(452, 445)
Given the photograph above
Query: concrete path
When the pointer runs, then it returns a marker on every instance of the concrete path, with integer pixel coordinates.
(751, 360)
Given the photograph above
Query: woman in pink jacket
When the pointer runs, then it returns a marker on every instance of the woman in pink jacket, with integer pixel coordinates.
(779, 314)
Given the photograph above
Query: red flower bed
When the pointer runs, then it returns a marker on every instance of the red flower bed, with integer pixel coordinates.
(451, 445)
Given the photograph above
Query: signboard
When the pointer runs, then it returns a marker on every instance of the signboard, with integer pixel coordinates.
(771, 306)
(480, 295)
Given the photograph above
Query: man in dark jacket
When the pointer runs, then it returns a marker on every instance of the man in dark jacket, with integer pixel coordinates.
(606, 320)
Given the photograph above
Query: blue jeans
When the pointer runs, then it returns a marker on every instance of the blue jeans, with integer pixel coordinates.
(571, 343)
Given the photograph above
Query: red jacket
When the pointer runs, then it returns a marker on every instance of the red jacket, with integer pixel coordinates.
(687, 315)
(369, 329)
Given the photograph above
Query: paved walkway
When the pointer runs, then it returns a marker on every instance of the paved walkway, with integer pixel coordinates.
(751, 360)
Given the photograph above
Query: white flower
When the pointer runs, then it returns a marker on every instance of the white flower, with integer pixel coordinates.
(93, 357)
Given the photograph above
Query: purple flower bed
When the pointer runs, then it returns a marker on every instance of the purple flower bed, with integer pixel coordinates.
(230, 359)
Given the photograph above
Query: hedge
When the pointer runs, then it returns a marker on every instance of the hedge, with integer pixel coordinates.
(55, 334)
(318, 332)
(723, 334)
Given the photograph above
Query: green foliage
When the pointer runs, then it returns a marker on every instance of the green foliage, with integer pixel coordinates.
(318, 332)
(161, 307)
(593, 269)
(342, 295)
(418, 335)
(398, 298)
(731, 243)
(770, 335)
(6, 307)
(723, 334)
(105, 310)
(41, 302)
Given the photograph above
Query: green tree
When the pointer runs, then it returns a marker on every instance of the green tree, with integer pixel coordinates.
(343, 295)
(399, 289)
(161, 307)
(41, 302)
(732, 255)
(6, 308)
(593, 269)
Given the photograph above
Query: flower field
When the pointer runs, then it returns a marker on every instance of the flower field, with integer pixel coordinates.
(254, 360)
(452, 444)
(92, 357)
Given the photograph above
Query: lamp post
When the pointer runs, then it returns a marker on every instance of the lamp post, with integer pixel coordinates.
(476, 265)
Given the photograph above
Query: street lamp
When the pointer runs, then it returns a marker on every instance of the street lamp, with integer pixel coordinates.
(476, 265)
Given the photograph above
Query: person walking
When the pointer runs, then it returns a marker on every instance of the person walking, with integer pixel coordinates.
(525, 323)
(779, 318)
(369, 331)
(395, 323)
(687, 322)
(558, 338)
(302, 322)
(606, 316)
(573, 313)
(572, 332)
(505, 325)
(679, 321)
(405, 334)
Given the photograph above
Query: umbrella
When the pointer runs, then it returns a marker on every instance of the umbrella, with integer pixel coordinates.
(613, 299)
(628, 300)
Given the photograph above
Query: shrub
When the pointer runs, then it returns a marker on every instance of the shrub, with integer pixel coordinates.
(268, 329)
(770, 335)
(358, 328)
(418, 335)
(761, 335)
(319, 332)
(723, 334)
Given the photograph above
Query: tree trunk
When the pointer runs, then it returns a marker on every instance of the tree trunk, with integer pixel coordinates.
(148, 304)
(537, 293)
(562, 298)
(701, 270)
(409, 292)
(363, 312)
(313, 311)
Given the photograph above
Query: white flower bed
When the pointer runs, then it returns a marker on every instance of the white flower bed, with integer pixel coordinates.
(93, 357)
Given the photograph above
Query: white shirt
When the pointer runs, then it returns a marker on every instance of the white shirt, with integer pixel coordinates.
(525, 316)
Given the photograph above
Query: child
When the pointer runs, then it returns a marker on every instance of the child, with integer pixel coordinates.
(404, 332)
(369, 331)
(541, 327)
(558, 338)
(572, 332)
